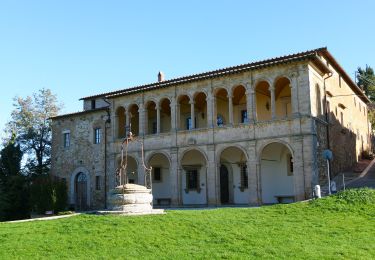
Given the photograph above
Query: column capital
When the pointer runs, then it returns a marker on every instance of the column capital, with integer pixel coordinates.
(271, 88)
(293, 75)
(191, 102)
(229, 96)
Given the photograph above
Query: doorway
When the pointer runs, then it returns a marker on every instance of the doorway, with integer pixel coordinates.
(81, 192)
(224, 184)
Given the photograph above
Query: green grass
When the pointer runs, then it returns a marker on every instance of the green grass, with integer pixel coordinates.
(338, 227)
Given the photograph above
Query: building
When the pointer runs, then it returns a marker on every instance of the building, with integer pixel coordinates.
(249, 134)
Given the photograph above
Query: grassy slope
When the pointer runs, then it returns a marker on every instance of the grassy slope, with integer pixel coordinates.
(329, 228)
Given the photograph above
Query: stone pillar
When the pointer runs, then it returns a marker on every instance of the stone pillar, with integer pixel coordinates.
(249, 103)
(214, 112)
(173, 115)
(211, 176)
(210, 123)
(140, 170)
(157, 119)
(230, 105)
(253, 174)
(178, 124)
(192, 114)
(141, 112)
(127, 122)
(174, 173)
(273, 105)
(146, 122)
(294, 95)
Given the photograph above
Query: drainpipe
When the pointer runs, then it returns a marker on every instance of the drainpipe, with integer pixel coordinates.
(107, 122)
(327, 120)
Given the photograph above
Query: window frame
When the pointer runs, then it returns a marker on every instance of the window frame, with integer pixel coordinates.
(244, 176)
(97, 135)
(66, 139)
(193, 169)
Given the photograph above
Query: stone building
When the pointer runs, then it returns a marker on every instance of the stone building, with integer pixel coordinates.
(249, 134)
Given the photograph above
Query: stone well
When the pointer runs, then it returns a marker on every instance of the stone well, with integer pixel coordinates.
(131, 199)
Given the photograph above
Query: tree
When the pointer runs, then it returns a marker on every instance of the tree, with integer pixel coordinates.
(14, 188)
(366, 79)
(30, 122)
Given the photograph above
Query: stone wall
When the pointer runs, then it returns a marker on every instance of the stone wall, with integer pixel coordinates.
(82, 155)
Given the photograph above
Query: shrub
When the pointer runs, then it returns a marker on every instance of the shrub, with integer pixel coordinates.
(48, 194)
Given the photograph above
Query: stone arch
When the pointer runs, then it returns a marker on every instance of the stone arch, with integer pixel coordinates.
(200, 109)
(283, 97)
(72, 185)
(263, 100)
(152, 153)
(161, 177)
(133, 112)
(260, 79)
(221, 149)
(183, 111)
(120, 121)
(184, 152)
(165, 105)
(193, 184)
(239, 101)
(133, 163)
(221, 107)
(233, 180)
(150, 116)
(261, 148)
(277, 179)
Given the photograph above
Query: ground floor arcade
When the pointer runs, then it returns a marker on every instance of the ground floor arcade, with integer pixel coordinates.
(246, 173)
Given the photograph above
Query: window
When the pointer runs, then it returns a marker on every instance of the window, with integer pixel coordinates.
(98, 135)
(355, 103)
(157, 174)
(66, 140)
(244, 177)
(192, 180)
(244, 116)
(336, 111)
(154, 127)
(97, 183)
(93, 104)
(340, 81)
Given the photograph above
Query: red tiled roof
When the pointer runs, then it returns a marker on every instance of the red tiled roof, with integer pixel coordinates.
(312, 54)
(80, 113)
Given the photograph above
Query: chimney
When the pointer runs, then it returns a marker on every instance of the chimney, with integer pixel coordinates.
(160, 76)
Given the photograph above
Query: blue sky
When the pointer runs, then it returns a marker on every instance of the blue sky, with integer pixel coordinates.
(80, 48)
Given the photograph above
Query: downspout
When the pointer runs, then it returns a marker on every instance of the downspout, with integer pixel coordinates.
(327, 119)
(107, 122)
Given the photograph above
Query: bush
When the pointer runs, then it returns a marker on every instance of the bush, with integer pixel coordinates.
(362, 199)
(48, 194)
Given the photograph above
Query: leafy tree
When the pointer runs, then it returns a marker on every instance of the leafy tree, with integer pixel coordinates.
(31, 124)
(366, 79)
(14, 188)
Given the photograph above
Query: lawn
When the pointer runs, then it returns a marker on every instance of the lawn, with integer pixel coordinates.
(340, 227)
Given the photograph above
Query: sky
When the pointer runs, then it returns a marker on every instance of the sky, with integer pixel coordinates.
(82, 48)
